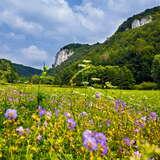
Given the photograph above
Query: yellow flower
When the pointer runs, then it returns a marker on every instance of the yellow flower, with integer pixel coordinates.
(33, 128)
(35, 117)
(33, 149)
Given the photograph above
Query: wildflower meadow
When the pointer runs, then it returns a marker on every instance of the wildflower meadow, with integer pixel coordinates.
(49, 123)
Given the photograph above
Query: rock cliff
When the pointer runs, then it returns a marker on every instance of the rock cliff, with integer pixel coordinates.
(62, 56)
(140, 22)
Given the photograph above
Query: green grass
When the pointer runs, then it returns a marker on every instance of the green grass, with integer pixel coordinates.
(58, 141)
(138, 99)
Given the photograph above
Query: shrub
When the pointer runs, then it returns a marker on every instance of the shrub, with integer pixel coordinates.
(47, 80)
(146, 86)
(118, 76)
(35, 79)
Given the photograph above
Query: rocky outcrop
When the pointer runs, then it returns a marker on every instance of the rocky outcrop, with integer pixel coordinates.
(62, 56)
(140, 22)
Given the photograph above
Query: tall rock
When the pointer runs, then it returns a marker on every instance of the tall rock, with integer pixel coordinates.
(62, 56)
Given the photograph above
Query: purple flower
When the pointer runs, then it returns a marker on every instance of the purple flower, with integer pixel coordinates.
(90, 143)
(98, 95)
(10, 99)
(127, 141)
(11, 114)
(87, 133)
(48, 114)
(83, 114)
(71, 123)
(153, 116)
(45, 124)
(119, 105)
(56, 112)
(108, 123)
(100, 138)
(144, 118)
(39, 137)
(137, 154)
(28, 130)
(139, 123)
(42, 111)
(67, 115)
(136, 130)
(104, 149)
(20, 130)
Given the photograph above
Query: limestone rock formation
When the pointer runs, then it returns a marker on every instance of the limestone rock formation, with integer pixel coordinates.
(140, 22)
(62, 56)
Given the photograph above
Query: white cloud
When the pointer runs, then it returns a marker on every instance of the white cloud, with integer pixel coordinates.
(89, 16)
(57, 16)
(34, 54)
(6, 53)
(18, 22)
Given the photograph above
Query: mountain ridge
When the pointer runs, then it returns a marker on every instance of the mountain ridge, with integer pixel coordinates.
(22, 70)
(26, 71)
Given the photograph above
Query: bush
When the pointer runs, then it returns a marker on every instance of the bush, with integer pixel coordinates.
(146, 86)
(47, 80)
(35, 79)
(117, 76)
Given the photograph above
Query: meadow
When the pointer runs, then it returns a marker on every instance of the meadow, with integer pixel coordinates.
(53, 123)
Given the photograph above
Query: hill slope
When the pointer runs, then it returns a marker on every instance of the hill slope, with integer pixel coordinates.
(133, 48)
(7, 67)
(26, 71)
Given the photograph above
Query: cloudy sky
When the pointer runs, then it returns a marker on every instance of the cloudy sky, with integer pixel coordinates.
(32, 31)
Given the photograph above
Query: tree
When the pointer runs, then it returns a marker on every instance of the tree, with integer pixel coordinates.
(7, 72)
(156, 68)
(35, 79)
(99, 75)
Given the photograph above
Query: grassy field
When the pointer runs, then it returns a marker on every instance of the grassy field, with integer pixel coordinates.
(44, 122)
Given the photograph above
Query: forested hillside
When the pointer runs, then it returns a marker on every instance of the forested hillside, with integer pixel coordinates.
(133, 48)
(11, 72)
(26, 71)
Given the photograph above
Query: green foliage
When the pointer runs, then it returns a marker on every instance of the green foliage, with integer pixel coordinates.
(35, 79)
(7, 72)
(43, 79)
(146, 86)
(118, 76)
(156, 68)
(47, 80)
(25, 71)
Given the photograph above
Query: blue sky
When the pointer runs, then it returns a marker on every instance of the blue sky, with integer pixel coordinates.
(32, 31)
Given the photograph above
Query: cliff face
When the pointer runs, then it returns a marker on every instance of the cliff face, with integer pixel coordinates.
(62, 56)
(141, 19)
(140, 22)
(67, 51)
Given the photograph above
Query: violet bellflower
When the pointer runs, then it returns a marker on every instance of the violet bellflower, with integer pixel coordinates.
(11, 114)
